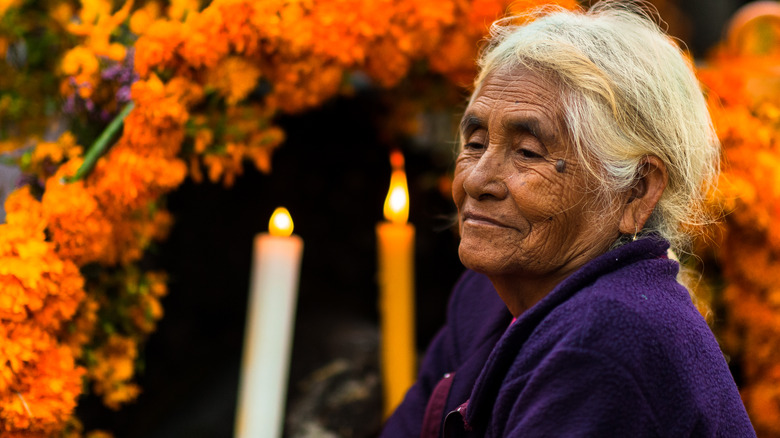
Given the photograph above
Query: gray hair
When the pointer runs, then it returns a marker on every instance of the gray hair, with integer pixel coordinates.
(628, 92)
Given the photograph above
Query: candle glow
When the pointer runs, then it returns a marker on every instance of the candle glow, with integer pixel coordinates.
(281, 223)
(396, 207)
(397, 202)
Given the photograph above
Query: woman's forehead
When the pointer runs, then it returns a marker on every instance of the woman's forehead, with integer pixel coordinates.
(519, 84)
(516, 98)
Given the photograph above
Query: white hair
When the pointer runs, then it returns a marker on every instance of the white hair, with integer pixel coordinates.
(628, 92)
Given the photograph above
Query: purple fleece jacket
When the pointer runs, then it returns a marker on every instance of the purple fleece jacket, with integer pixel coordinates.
(617, 349)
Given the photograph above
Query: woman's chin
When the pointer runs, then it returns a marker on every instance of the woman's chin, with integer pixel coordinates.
(480, 258)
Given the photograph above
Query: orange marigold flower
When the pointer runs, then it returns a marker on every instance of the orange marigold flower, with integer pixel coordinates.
(763, 401)
(23, 213)
(142, 18)
(156, 125)
(299, 85)
(185, 92)
(158, 46)
(159, 226)
(179, 9)
(81, 64)
(205, 44)
(5, 5)
(22, 344)
(455, 58)
(76, 223)
(62, 13)
(520, 6)
(79, 330)
(130, 180)
(387, 63)
(44, 394)
(97, 23)
(234, 77)
(146, 313)
(244, 33)
(203, 139)
(55, 152)
(113, 370)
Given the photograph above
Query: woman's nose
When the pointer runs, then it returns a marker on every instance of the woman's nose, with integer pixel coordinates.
(486, 178)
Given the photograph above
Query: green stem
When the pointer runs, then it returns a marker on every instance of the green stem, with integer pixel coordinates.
(102, 143)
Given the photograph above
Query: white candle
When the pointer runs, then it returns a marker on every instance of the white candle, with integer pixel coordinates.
(269, 329)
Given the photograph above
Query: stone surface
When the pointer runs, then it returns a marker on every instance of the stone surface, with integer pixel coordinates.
(341, 398)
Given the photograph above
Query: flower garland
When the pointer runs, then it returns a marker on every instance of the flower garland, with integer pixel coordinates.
(206, 86)
(744, 95)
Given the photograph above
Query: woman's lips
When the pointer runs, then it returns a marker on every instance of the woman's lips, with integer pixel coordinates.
(480, 219)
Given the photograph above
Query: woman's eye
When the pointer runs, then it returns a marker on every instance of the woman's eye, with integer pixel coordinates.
(529, 153)
(473, 146)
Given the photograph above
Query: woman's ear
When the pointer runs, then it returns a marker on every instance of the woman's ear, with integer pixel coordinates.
(641, 199)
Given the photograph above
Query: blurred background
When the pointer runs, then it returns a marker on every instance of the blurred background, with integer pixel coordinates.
(332, 173)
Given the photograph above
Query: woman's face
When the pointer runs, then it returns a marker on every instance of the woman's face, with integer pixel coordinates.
(522, 212)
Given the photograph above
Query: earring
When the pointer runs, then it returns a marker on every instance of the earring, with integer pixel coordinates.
(636, 231)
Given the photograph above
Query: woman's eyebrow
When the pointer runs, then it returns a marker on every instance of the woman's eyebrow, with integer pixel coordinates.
(533, 127)
(470, 122)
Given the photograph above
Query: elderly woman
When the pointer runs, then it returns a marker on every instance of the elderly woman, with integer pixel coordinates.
(585, 149)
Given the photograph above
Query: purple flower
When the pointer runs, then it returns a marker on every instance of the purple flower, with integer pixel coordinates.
(112, 73)
(123, 94)
(69, 107)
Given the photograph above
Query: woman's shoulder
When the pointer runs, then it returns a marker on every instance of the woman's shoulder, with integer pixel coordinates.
(641, 324)
(641, 306)
(644, 297)
(644, 321)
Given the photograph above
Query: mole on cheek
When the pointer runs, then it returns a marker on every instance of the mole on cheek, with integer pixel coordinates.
(560, 166)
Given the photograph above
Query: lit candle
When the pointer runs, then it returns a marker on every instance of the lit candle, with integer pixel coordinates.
(269, 329)
(396, 290)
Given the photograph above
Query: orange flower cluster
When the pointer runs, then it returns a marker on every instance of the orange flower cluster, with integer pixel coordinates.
(113, 369)
(305, 48)
(143, 164)
(128, 301)
(39, 380)
(304, 51)
(95, 24)
(46, 318)
(246, 134)
(744, 95)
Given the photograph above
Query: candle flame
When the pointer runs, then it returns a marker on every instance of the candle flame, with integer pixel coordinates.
(281, 223)
(397, 202)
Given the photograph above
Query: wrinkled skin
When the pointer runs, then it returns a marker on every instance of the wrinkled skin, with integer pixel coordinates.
(523, 223)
